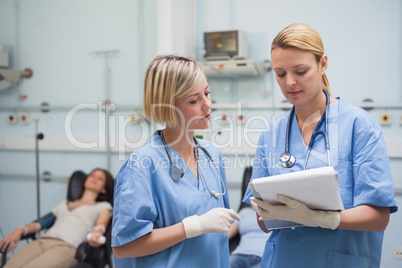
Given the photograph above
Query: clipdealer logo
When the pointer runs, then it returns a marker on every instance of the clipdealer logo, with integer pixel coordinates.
(228, 137)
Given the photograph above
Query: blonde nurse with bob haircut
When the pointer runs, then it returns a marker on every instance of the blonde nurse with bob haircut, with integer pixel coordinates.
(171, 198)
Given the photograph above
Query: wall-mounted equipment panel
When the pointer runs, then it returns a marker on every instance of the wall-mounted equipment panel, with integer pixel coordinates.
(233, 68)
(225, 45)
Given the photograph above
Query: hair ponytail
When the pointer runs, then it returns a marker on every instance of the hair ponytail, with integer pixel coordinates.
(325, 84)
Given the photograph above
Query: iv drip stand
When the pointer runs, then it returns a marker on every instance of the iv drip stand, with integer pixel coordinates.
(106, 54)
(38, 136)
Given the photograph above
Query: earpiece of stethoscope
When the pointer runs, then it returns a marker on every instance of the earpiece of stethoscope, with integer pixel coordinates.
(287, 160)
(215, 194)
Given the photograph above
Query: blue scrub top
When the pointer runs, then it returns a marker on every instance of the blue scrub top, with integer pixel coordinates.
(147, 198)
(358, 153)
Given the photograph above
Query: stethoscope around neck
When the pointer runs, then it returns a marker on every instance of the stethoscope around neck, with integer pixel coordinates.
(289, 160)
(176, 172)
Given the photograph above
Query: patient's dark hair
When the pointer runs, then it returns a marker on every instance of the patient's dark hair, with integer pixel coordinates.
(109, 187)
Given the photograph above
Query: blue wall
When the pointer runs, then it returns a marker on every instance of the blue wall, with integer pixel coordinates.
(57, 39)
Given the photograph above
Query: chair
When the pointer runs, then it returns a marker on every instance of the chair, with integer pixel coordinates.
(86, 255)
(234, 241)
(28, 237)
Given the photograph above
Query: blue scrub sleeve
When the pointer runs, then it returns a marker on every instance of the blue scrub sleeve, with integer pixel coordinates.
(134, 210)
(371, 170)
(260, 168)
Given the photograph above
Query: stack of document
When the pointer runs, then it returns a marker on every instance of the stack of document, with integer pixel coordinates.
(317, 188)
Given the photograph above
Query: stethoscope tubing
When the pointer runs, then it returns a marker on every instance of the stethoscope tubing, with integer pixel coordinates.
(198, 146)
(177, 173)
(290, 160)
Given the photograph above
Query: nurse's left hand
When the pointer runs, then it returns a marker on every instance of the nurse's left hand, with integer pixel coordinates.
(295, 211)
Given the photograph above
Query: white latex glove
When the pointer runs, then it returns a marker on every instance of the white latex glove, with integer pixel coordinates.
(217, 220)
(295, 211)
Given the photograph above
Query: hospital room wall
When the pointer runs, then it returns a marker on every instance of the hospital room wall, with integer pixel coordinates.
(362, 39)
(57, 40)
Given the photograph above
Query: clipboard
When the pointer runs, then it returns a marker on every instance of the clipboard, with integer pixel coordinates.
(317, 188)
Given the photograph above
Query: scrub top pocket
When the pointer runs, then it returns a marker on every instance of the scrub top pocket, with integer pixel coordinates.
(336, 260)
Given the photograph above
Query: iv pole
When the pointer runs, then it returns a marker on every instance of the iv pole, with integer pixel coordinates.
(106, 54)
(38, 136)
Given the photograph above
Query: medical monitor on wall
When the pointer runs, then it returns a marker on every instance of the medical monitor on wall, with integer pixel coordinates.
(225, 45)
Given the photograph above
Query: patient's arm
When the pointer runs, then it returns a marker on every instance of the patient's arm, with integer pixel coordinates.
(10, 241)
(100, 228)
(233, 230)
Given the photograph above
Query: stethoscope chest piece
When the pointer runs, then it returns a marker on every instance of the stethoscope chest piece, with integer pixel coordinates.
(176, 173)
(287, 160)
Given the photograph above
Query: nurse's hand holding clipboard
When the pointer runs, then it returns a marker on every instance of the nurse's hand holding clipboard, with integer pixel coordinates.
(295, 211)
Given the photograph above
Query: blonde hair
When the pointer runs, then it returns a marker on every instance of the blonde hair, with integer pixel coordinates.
(167, 78)
(303, 37)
